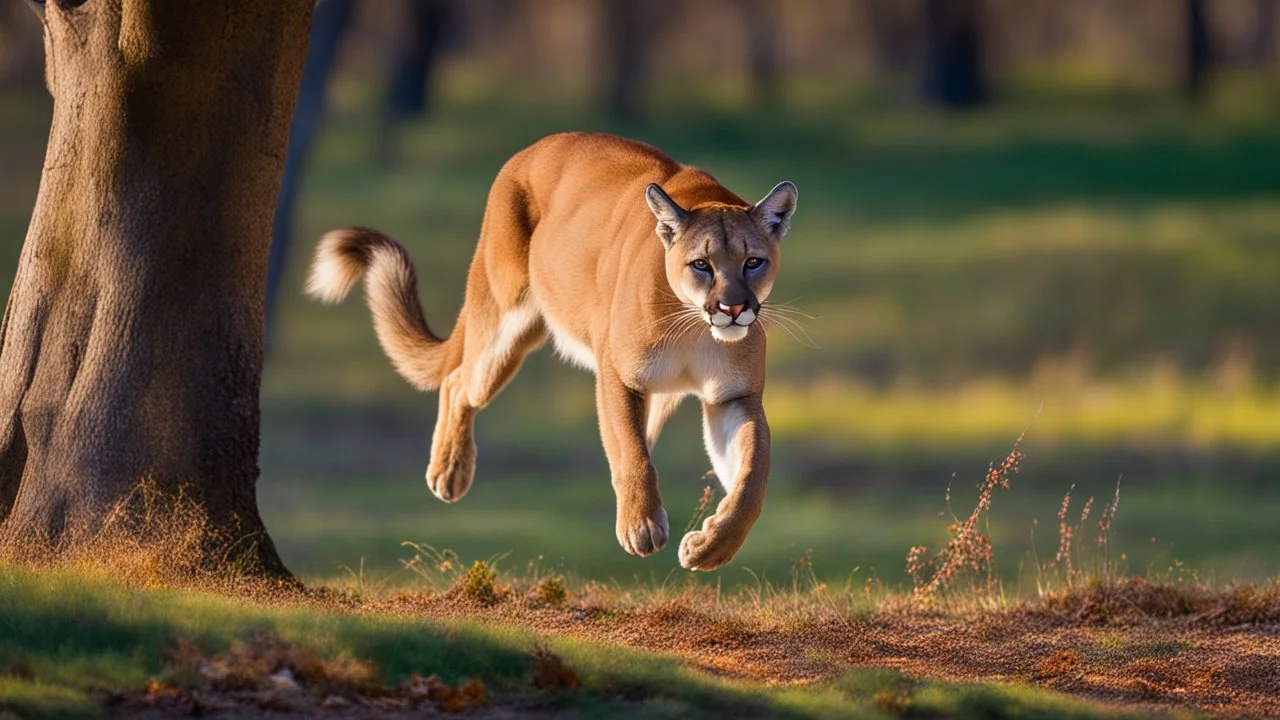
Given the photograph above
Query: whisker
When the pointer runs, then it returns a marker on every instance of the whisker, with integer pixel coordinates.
(787, 314)
(783, 308)
(787, 319)
(670, 328)
(680, 331)
(790, 322)
(680, 310)
(785, 329)
(686, 321)
(791, 326)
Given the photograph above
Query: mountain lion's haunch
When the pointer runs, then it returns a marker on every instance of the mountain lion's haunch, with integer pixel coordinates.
(567, 251)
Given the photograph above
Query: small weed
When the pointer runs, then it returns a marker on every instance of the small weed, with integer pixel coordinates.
(1067, 570)
(440, 568)
(968, 551)
(443, 570)
(480, 582)
(358, 587)
(551, 591)
(706, 501)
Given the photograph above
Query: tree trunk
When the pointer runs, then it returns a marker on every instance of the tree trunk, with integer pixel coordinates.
(131, 347)
(626, 62)
(891, 34)
(413, 70)
(628, 34)
(954, 75)
(1198, 50)
(1263, 42)
(761, 19)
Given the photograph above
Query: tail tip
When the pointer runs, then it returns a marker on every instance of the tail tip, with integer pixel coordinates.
(336, 267)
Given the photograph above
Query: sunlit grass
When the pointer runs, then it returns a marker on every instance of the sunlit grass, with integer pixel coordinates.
(1154, 410)
(74, 638)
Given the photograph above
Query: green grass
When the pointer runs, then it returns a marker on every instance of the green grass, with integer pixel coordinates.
(67, 638)
(1107, 257)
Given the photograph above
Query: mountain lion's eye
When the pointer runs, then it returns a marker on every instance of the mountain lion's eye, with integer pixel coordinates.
(753, 263)
(700, 265)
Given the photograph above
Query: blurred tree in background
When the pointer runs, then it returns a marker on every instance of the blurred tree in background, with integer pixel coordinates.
(21, 49)
(1198, 49)
(953, 68)
(953, 52)
(413, 64)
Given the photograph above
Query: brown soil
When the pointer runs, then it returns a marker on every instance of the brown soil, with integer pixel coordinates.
(1133, 647)
(1128, 655)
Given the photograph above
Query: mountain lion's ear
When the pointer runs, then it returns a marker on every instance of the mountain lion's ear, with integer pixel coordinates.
(774, 211)
(671, 217)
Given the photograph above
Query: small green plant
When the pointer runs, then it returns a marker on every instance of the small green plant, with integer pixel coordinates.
(551, 590)
(439, 568)
(357, 585)
(480, 583)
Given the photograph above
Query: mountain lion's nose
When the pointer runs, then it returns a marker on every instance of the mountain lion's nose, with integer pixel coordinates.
(733, 310)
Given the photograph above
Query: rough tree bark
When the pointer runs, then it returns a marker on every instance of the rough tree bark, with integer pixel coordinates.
(131, 346)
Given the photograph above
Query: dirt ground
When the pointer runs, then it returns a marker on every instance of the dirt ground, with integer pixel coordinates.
(1135, 648)
(1207, 660)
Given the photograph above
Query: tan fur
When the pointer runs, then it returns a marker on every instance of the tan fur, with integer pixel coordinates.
(567, 250)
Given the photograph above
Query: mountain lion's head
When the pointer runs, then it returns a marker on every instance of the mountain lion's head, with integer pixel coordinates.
(722, 259)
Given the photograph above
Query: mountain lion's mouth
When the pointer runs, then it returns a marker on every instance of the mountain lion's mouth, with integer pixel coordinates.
(730, 333)
(727, 328)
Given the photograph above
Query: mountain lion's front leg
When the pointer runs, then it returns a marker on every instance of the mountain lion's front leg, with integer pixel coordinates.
(642, 521)
(737, 438)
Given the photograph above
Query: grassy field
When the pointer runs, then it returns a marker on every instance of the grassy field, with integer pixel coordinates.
(78, 648)
(1097, 269)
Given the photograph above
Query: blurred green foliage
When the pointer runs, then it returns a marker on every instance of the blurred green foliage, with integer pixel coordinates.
(1097, 267)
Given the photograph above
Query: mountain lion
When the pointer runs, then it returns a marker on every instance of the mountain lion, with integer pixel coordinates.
(567, 251)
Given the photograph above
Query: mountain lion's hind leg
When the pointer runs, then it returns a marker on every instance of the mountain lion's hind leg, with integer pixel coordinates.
(495, 344)
(737, 439)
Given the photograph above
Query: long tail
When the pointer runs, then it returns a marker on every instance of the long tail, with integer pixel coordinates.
(391, 288)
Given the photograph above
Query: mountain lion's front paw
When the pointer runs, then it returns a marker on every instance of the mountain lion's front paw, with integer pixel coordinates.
(700, 551)
(641, 533)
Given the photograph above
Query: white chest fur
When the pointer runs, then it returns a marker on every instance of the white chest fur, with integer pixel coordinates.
(700, 367)
(570, 348)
